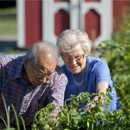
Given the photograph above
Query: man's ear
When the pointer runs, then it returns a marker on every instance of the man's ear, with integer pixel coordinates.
(25, 62)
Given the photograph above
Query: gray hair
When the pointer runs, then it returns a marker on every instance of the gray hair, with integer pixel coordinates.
(44, 47)
(69, 38)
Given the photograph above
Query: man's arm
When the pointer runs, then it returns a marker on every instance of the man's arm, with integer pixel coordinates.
(58, 89)
(58, 96)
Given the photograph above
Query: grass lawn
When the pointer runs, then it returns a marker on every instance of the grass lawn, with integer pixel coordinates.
(8, 27)
(8, 11)
(8, 22)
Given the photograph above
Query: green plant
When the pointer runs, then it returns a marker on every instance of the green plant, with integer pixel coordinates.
(7, 115)
(43, 118)
(116, 53)
(7, 123)
(72, 118)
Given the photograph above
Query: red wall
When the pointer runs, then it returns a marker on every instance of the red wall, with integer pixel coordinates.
(33, 20)
(118, 10)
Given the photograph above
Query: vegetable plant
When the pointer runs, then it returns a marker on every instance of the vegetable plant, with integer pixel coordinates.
(71, 117)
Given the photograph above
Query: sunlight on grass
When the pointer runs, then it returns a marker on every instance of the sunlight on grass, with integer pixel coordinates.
(8, 22)
(8, 27)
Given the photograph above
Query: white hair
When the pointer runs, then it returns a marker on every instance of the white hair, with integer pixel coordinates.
(45, 48)
(69, 38)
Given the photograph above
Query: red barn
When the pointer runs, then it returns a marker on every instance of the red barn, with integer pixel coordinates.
(46, 19)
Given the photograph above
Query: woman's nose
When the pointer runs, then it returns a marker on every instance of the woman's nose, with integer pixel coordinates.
(72, 61)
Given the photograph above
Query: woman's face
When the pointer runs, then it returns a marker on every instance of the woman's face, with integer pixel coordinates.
(40, 73)
(75, 59)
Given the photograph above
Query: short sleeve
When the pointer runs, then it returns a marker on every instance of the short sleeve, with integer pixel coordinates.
(102, 72)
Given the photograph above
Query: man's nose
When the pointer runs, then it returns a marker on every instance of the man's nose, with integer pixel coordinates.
(43, 80)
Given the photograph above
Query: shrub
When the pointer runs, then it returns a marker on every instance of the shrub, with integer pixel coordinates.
(72, 118)
(116, 53)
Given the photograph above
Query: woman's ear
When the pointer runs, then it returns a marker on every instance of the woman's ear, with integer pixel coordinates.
(86, 54)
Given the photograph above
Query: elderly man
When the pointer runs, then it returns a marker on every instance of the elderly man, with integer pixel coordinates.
(32, 81)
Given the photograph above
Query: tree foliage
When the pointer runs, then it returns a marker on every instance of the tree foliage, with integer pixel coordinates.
(117, 54)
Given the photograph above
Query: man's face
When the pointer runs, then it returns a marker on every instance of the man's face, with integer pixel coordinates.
(41, 72)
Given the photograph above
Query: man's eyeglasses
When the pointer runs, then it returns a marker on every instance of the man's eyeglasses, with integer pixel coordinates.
(39, 74)
(76, 58)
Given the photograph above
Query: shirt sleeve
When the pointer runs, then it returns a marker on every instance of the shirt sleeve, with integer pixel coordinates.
(103, 73)
(58, 91)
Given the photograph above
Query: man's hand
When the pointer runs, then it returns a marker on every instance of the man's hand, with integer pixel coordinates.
(54, 116)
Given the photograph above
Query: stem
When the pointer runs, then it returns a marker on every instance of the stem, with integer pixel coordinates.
(6, 111)
(3, 121)
(24, 127)
(16, 117)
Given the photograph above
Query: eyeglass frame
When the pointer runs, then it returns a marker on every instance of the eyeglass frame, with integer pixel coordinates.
(42, 74)
(68, 59)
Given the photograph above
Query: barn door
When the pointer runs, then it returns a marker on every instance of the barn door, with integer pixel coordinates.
(92, 16)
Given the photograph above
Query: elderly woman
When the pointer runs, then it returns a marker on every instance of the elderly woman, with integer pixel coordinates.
(85, 73)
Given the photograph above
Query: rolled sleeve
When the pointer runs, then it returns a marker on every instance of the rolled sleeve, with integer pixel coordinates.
(58, 89)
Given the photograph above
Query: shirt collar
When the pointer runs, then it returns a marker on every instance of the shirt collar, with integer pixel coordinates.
(20, 68)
